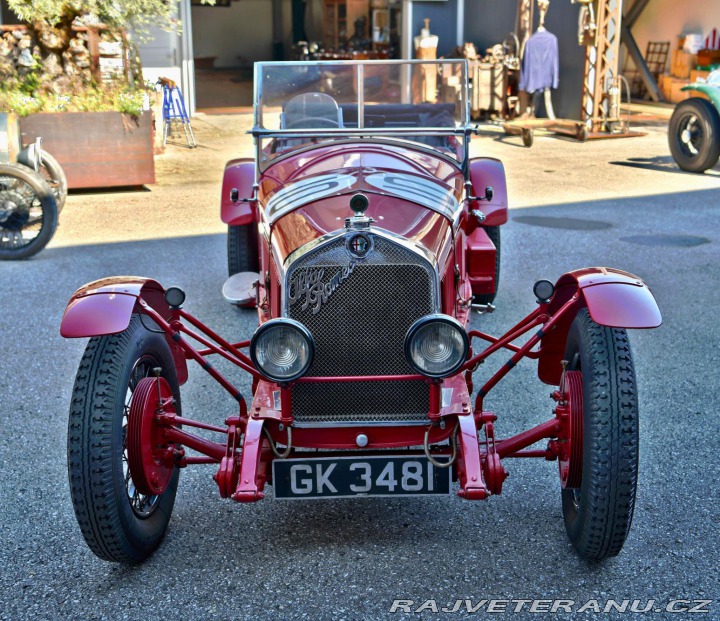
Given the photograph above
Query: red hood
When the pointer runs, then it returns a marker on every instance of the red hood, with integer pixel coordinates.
(411, 194)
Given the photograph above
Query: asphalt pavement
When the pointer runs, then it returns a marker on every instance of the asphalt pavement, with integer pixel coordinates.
(618, 203)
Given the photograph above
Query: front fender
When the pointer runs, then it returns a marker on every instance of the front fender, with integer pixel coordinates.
(484, 172)
(613, 298)
(711, 91)
(240, 175)
(106, 306)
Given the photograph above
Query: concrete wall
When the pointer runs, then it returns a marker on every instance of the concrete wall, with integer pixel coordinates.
(238, 34)
(664, 20)
(160, 55)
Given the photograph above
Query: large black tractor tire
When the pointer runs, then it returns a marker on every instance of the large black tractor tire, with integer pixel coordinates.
(694, 135)
(118, 523)
(598, 514)
(493, 232)
(28, 212)
(242, 249)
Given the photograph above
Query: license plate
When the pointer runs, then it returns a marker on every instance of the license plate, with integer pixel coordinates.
(343, 477)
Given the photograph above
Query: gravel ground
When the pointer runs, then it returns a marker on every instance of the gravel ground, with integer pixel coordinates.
(618, 203)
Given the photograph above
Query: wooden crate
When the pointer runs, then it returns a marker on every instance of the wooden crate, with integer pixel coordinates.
(671, 89)
(682, 64)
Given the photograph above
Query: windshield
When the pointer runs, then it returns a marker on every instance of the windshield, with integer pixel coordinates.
(303, 103)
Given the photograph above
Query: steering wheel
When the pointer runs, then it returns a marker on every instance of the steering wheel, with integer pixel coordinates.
(311, 122)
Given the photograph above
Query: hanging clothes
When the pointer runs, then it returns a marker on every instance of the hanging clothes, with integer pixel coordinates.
(540, 64)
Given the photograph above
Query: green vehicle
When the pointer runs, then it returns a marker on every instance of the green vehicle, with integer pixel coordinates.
(694, 132)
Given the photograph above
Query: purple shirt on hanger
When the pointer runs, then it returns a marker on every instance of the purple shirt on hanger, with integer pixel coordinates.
(540, 63)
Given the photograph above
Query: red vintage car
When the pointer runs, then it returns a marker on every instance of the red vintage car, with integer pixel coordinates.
(365, 236)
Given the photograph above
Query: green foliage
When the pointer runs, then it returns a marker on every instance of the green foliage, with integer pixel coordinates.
(117, 14)
(51, 23)
(96, 98)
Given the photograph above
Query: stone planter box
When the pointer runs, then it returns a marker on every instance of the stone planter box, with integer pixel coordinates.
(96, 149)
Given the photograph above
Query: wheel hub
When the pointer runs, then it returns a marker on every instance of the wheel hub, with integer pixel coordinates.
(570, 412)
(150, 458)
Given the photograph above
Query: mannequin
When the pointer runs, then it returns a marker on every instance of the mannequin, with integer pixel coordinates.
(540, 65)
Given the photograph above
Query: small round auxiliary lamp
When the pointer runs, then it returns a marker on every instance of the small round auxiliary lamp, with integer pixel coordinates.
(359, 203)
(543, 290)
(175, 297)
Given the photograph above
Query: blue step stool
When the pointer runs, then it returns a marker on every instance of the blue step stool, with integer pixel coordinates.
(174, 111)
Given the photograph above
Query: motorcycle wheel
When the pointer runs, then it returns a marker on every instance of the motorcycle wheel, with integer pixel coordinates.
(28, 212)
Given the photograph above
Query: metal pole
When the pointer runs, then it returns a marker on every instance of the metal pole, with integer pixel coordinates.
(278, 52)
(647, 77)
(634, 12)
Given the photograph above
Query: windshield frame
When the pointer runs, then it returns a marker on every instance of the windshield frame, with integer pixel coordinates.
(261, 134)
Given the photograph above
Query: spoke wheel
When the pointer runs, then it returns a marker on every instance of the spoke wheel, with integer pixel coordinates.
(598, 509)
(28, 212)
(118, 521)
(694, 135)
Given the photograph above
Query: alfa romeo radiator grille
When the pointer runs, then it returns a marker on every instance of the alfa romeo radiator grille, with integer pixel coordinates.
(359, 329)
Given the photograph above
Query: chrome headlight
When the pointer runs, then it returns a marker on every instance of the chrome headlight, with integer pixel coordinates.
(282, 349)
(436, 345)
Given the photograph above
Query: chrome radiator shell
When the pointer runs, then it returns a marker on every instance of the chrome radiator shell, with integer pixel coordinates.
(359, 327)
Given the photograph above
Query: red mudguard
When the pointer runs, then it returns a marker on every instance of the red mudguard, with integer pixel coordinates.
(105, 307)
(240, 175)
(613, 298)
(481, 254)
(489, 172)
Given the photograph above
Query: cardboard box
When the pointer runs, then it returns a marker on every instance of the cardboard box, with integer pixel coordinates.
(682, 64)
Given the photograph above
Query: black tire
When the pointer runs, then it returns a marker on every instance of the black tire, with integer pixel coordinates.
(694, 135)
(493, 232)
(28, 212)
(528, 137)
(242, 249)
(55, 177)
(598, 514)
(100, 483)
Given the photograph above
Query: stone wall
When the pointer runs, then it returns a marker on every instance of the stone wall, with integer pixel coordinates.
(55, 67)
